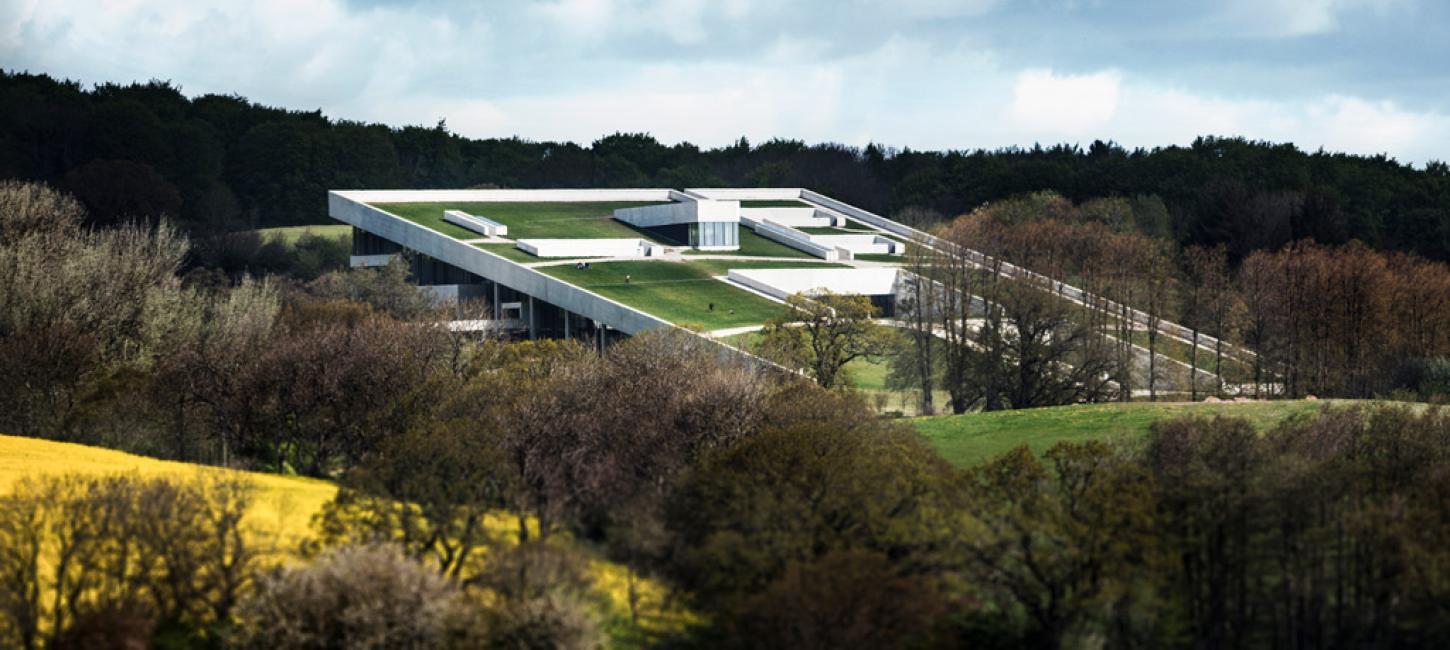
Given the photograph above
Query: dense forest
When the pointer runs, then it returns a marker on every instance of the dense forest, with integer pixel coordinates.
(221, 163)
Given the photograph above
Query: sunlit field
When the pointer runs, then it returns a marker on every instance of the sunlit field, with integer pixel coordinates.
(280, 518)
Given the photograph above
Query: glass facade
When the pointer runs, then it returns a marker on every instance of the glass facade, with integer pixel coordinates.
(715, 233)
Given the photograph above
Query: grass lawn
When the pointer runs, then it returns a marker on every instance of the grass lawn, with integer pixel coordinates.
(866, 374)
(677, 292)
(774, 203)
(290, 234)
(824, 230)
(556, 220)
(881, 257)
(976, 437)
(509, 252)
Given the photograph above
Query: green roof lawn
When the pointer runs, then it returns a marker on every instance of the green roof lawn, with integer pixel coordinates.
(674, 291)
(880, 257)
(824, 230)
(774, 203)
(546, 220)
(510, 252)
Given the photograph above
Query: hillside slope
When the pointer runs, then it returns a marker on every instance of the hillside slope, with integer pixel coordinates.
(282, 515)
(283, 506)
(975, 437)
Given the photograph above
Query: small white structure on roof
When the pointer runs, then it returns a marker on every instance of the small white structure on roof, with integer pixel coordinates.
(625, 247)
(481, 225)
(779, 283)
(705, 224)
(802, 217)
(861, 244)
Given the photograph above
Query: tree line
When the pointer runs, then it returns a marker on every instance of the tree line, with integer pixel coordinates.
(782, 514)
(986, 318)
(221, 163)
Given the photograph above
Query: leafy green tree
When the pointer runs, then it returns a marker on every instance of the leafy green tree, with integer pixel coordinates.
(823, 331)
(430, 490)
(1072, 545)
(826, 475)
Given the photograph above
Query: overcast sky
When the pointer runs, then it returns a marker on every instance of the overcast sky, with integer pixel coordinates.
(1365, 76)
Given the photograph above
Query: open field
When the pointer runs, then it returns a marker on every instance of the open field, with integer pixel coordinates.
(677, 292)
(282, 514)
(970, 439)
(556, 220)
(283, 507)
(290, 234)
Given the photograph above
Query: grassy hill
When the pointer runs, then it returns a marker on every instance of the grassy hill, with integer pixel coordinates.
(975, 437)
(282, 510)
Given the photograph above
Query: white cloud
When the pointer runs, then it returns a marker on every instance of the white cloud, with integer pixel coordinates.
(1289, 18)
(942, 8)
(1054, 105)
(579, 69)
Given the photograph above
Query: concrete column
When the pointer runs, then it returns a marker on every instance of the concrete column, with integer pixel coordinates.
(533, 331)
(566, 322)
(497, 313)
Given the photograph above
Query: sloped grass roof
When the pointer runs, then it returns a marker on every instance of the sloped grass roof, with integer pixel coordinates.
(679, 292)
(541, 220)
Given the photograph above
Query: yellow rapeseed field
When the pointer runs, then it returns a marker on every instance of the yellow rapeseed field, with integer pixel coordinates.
(282, 511)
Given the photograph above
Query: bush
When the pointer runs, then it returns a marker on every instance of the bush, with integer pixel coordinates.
(541, 595)
(845, 599)
(355, 597)
(139, 554)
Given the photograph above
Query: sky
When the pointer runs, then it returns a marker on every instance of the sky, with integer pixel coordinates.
(1361, 76)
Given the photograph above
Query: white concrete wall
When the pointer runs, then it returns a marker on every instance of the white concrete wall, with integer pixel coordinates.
(795, 239)
(860, 244)
(690, 211)
(802, 217)
(779, 283)
(747, 193)
(504, 196)
(586, 247)
(481, 225)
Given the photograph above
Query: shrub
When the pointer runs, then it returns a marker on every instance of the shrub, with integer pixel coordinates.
(541, 599)
(355, 597)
